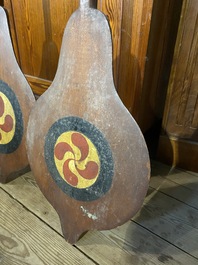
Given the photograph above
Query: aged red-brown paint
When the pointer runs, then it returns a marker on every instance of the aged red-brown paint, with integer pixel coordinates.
(12, 163)
(83, 87)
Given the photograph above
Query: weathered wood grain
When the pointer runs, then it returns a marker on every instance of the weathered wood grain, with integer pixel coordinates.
(178, 144)
(113, 9)
(94, 244)
(37, 36)
(142, 247)
(188, 179)
(176, 183)
(182, 193)
(39, 85)
(24, 239)
(147, 248)
(13, 35)
(172, 220)
(134, 40)
(162, 37)
(83, 94)
(17, 101)
(129, 244)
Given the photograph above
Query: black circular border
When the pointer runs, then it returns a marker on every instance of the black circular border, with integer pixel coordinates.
(16, 140)
(104, 180)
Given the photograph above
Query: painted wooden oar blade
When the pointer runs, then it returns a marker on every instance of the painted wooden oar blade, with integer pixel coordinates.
(89, 156)
(16, 101)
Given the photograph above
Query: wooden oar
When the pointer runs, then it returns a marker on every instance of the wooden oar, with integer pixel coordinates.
(86, 151)
(16, 101)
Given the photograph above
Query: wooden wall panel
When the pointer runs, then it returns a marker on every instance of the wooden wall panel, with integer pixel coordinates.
(179, 141)
(130, 25)
(134, 43)
(181, 107)
(113, 11)
(38, 27)
(8, 5)
(162, 38)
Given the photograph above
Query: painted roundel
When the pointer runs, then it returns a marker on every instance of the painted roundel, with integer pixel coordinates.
(11, 122)
(79, 158)
(76, 159)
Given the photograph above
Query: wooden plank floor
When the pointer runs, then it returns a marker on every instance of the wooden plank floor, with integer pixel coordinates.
(165, 231)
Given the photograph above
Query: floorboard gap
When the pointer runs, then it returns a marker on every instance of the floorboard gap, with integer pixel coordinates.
(165, 240)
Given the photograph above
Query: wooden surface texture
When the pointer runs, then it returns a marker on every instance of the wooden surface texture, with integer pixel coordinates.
(163, 232)
(17, 100)
(143, 36)
(37, 36)
(178, 143)
(181, 119)
(82, 181)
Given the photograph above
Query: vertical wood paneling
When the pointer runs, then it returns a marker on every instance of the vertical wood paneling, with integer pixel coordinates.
(178, 144)
(39, 26)
(183, 87)
(113, 10)
(134, 43)
(162, 38)
(195, 97)
(57, 26)
(8, 5)
(186, 99)
(29, 38)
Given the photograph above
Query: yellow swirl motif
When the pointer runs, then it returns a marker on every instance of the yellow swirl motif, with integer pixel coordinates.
(76, 159)
(7, 120)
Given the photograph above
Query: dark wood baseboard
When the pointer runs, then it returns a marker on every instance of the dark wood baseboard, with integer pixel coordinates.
(178, 152)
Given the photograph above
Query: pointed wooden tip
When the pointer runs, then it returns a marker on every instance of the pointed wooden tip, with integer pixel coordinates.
(71, 233)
